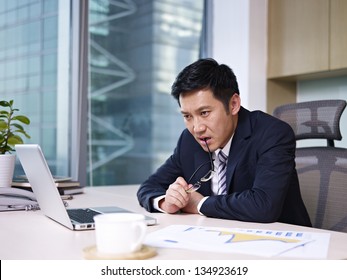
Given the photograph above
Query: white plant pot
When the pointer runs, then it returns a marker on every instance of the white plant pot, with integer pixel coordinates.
(7, 164)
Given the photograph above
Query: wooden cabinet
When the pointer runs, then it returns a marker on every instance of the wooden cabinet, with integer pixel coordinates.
(307, 39)
(338, 34)
(298, 37)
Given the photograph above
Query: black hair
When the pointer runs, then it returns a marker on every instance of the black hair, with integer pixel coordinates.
(206, 73)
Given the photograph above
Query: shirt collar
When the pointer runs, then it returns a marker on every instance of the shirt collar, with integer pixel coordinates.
(226, 148)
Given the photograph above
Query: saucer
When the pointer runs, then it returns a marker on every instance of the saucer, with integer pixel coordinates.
(91, 253)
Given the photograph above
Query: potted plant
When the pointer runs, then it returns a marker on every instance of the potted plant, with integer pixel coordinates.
(11, 132)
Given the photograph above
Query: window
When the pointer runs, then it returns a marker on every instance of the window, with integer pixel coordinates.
(29, 72)
(136, 50)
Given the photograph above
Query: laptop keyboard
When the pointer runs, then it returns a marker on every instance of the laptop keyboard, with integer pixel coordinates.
(84, 215)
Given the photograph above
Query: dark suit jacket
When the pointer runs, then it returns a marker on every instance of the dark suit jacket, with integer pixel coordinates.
(262, 180)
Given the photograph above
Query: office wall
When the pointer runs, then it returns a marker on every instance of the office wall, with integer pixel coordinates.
(239, 39)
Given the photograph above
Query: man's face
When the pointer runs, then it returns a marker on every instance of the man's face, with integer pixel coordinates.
(206, 118)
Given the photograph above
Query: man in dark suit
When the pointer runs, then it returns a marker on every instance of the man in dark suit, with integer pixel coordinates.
(259, 182)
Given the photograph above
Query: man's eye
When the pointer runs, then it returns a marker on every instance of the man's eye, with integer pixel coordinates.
(187, 117)
(204, 113)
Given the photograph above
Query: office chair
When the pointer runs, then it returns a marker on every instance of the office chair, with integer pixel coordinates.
(322, 170)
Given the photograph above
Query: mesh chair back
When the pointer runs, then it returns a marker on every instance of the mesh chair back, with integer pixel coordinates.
(322, 170)
(314, 119)
(322, 175)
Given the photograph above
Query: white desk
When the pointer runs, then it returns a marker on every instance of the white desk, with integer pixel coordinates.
(30, 235)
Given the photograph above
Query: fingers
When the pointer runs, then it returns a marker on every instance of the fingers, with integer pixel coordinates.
(176, 193)
(192, 205)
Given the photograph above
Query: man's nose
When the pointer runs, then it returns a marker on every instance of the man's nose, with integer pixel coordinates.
(199, 126)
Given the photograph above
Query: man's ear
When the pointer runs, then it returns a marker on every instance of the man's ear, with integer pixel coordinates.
(235, 104)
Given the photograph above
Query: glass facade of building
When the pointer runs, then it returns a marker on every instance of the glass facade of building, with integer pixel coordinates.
(136, 50)
(137, 47)
(29, 68)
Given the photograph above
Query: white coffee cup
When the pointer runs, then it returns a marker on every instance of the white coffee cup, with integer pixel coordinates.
(119, 233)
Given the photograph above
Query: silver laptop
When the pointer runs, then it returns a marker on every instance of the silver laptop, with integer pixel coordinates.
(48, 197)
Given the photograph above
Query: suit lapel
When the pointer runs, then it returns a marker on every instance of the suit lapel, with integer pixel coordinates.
(239, 143)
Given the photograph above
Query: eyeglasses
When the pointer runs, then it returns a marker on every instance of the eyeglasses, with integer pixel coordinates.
(208, 176)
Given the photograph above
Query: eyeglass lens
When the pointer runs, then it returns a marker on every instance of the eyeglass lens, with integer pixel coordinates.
(208, 176)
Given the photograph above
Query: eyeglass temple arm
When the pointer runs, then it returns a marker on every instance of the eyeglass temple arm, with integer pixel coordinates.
(210, 154)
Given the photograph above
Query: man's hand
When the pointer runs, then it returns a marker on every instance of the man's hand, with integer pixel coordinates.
(176, 196)
(192, 205)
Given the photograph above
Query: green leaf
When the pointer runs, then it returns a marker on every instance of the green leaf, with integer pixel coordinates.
(22, 132)
(14, 140)
(3, 125)
(4, 114)
(22, 119)
(18, 126)
(4, 103)
(4, 150)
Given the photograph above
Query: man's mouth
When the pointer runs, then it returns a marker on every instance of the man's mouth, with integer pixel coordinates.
(204, 140)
